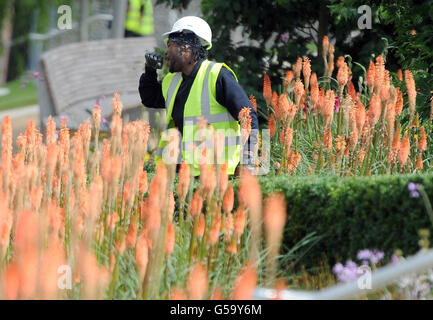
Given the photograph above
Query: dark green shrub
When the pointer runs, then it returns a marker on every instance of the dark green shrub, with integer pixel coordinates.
(351, 214)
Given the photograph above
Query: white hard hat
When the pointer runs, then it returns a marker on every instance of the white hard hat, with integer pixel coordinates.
(196, 25)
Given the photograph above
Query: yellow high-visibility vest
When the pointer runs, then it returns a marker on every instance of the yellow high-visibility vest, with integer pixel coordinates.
(201, 103)
(138, 23)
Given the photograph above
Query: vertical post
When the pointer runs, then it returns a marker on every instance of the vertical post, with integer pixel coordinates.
(52, 41)
(118, 26)
(6, 38)
(35, 46)
(84, 14)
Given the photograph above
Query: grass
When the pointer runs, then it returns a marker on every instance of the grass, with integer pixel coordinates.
(19, 97)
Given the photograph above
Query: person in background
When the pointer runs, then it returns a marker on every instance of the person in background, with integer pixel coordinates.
(139, 18)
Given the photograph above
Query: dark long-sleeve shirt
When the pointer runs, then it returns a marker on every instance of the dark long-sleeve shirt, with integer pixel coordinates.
(228, 93)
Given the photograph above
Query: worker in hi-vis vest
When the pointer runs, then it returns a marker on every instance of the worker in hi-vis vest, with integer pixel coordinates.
(196, 89)
(139, 18)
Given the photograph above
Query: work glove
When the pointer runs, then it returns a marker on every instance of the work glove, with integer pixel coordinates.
(153, 60)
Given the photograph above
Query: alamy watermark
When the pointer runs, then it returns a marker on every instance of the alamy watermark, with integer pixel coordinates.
(64, 282)
(64, 22)
(364, 21)
(206, 146)
(364, 280)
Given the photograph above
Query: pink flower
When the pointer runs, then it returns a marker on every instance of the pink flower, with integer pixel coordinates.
(285, 37)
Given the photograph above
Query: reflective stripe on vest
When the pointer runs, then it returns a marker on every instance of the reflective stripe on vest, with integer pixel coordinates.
(205, 102)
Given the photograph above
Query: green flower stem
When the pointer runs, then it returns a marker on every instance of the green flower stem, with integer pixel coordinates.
(307, 120)
(426, 203)
(181, 218)
(166, 282)
(319, 160)
(192, 242)
(340, 119)
(315, 126)
(205, 240)
(112, 287)
(215, 263)
(209, 259)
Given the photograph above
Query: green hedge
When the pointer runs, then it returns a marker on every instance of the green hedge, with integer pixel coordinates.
(351, 213)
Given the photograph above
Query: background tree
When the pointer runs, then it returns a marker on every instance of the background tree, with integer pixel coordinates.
(407, 27)
(16, 21)
(286, 29)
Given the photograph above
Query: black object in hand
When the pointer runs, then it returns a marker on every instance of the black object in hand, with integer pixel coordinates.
(153, 60)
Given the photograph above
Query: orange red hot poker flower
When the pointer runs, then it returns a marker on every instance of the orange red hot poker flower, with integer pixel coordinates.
(267, 90)
(411, 91)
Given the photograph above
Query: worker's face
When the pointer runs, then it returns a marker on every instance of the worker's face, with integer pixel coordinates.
(176, 56)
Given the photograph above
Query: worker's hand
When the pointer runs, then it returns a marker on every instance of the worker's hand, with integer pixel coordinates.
(153, 60)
